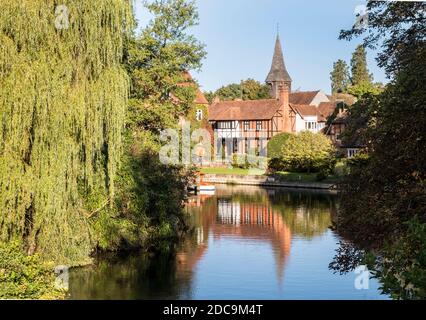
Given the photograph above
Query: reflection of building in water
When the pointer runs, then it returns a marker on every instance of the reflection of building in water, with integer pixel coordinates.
(263, 215)
(254, 221)
(228, 212)
(226, 216)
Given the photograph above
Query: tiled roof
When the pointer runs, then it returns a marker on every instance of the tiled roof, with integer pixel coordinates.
(303, 97)
(343, 97)
(325, 109)
(304, 110)
(244, 110)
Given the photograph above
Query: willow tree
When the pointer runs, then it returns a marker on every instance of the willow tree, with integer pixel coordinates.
(63, 99)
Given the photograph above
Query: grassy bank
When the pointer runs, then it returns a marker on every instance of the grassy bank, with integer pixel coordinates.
(282, 175)
(303, 177)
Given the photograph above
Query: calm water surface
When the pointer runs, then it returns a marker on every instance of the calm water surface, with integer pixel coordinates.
(248, 243)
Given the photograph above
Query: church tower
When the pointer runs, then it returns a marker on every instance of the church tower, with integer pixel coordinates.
(280, 82)
(278, 75)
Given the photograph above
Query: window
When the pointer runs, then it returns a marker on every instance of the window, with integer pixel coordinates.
(246, 125)
(258, 125)
(226, 125)
(199, 115)
(352, 152)
(311, 125)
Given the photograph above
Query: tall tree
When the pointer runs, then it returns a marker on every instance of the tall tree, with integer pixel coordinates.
(63, 99)
(339, 77)
(151, 193)
(359, 68)
(392, 204)
(165, 50)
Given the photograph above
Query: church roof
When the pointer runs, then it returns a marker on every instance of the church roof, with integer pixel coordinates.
(243, 110)
(278, 70)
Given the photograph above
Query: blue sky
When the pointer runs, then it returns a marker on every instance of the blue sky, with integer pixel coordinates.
(240, 34)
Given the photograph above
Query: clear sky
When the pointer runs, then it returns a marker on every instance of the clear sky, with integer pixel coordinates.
(240, 35)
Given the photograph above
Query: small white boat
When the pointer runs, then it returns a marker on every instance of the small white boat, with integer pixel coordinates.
(207, 193)
(207, 188)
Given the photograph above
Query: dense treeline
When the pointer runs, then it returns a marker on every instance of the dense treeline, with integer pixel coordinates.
(384, 197)
(248, 89)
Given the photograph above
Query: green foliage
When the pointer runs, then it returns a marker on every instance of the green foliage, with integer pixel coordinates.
(364, 88)
(359, 69)
(402, 270)
(341, 168)
(276, 143)
(392, 179)
(276, 164)
(397, 27)
(383, 197)
(246, 90)
(148, 207)
(308, 152)
(248, 161)
(25, 277)
(158, 57)
(339, 77)
(62, 107)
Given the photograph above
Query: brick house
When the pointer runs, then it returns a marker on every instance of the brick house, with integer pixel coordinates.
(242, 126)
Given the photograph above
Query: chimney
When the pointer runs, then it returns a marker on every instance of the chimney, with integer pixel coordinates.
(284, 99)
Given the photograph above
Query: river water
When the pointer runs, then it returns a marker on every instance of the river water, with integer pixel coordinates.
(248, 243)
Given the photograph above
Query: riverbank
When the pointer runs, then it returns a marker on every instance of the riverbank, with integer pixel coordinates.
(266, 181)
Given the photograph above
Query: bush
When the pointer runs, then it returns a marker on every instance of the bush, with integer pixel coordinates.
(275, 145)
(25, 277)
(402, 271)
(276, 164)
(341, 168)
(248, 161)
(322, 175)
(308, 152)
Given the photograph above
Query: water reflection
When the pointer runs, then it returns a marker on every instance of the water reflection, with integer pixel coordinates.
(247, 243)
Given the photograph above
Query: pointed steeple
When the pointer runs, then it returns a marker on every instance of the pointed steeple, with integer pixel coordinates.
(278, 72)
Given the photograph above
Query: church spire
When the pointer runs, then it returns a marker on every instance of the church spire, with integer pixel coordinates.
(278, 72)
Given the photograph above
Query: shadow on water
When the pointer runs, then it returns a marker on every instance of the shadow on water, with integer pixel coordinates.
(246, 243)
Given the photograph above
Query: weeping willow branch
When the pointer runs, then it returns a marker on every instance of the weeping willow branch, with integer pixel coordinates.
(62, 107)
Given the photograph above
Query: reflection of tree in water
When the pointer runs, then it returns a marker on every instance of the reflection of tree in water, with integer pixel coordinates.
(263, 214)
(260, 214)
(140, 276)
(306, 213)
